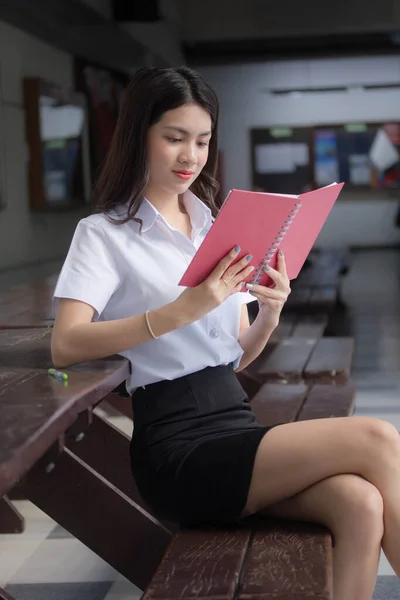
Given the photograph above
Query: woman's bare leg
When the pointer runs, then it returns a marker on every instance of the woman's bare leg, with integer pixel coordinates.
(295, 456)
(352, 508)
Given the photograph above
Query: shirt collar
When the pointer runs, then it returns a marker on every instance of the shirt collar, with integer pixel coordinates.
(200, 214)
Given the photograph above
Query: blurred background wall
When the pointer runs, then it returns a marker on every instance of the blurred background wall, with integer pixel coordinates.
(272, 65)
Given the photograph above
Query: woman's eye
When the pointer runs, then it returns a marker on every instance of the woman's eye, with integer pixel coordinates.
(203, 143)
(173, 140)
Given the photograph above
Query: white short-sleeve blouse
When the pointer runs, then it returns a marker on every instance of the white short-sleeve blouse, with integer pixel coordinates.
(121, 271)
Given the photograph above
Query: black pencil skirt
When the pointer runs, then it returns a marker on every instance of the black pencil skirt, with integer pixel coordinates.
(193, 448)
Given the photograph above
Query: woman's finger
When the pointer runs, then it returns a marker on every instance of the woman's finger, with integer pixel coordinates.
(279, 278)
(273, 273)
(281, 264)
(281, 281)
(239, 269)
(261, 291)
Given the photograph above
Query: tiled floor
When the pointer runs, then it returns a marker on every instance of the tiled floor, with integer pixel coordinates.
(46, 563)
(372, 293)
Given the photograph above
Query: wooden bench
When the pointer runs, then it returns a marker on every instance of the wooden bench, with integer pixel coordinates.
(290, 326)
(66, 455)
(263, 558)
(297, 351)
(323, 360)
(327, 264)
(317, 288)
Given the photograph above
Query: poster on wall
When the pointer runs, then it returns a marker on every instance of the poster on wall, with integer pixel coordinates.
(365, 155)
(326, 164)
(282, 157)
(104, 90)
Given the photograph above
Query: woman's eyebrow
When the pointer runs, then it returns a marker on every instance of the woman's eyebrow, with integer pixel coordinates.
(184, 131)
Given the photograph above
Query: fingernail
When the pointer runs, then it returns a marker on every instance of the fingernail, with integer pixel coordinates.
(237, 249)
(252, 293)
(280, 253)
(249, 285)
(267, 268)
(242, 284)
(249, 257)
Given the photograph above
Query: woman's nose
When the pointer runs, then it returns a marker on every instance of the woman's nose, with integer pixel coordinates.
(188, 155)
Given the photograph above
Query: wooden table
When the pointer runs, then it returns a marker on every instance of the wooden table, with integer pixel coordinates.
(28, 304)
(46, 424)
(34, 408)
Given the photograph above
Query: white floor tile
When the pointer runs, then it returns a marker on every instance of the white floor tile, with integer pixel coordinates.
(63, 560)
(122, 589)
(123, 424)
(375, 399)
(110, 414)
(37, 524)
(13, 555)
(384, 566)
(16, 549)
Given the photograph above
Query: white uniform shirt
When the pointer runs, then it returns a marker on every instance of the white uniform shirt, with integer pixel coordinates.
(122, 272)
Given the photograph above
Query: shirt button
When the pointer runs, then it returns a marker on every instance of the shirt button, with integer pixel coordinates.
(214, 333)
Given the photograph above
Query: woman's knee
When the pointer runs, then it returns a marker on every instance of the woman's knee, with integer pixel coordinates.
(381, 435)
(362, 508)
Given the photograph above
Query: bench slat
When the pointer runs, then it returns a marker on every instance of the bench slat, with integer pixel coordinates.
(200, 564)
(310, 326)
(277, 403)
(288, 561)
(25, 348)
(325, 295)
(288, 360)
(11, 377)
(328, 401)
(331, 359)
(99, 515)
(28, 304)
(283, 330)
(101, 448)
(39, 409)
(298, 298)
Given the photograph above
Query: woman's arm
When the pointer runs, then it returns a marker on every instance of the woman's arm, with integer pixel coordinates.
(76, 338)
(271, 301)
(253, 337)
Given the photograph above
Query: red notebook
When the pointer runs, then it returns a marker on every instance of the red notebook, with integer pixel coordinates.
(261, 224)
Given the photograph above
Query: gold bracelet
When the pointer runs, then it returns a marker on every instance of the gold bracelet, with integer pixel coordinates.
(146, 316)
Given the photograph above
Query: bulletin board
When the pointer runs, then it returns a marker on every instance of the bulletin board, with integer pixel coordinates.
(293, 160)
(341, 153)
(281, 159)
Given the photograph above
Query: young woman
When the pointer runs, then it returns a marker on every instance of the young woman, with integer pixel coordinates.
(198, 455)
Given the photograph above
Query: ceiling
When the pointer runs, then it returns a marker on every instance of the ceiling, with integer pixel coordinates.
(226, 30)
(210, 31)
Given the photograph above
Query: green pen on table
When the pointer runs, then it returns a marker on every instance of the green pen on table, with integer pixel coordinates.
(58, 374)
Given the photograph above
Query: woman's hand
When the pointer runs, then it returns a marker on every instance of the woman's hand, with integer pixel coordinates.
(224, 281)
(272, 300)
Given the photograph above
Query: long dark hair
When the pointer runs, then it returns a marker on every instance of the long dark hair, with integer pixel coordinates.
(152, 92)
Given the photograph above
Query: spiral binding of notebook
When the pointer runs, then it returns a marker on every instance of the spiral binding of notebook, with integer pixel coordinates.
(275, 244)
